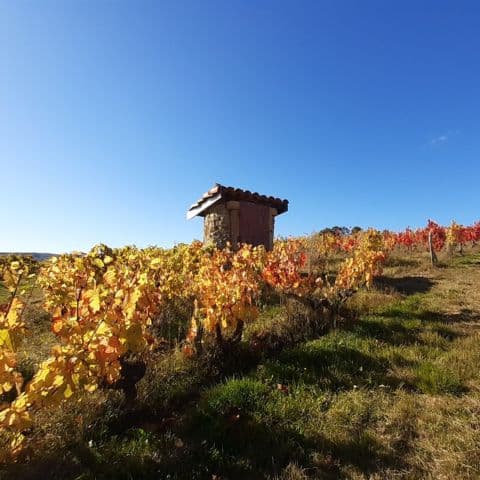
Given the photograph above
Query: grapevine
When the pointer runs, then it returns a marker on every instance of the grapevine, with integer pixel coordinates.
(103, 303)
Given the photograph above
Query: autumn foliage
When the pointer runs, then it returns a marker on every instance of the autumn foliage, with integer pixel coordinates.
(103, 303)
(442, 237)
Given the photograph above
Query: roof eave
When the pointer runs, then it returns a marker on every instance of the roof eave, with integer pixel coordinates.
(283, 208)
(198, 209)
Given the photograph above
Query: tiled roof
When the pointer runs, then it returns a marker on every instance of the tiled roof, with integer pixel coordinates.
(230, 193)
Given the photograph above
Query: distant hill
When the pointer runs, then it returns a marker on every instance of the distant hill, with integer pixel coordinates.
(36, 255)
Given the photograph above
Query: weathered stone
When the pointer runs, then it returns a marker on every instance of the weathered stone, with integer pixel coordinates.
(217, 226)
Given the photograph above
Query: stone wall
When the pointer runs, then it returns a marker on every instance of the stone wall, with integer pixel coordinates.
(216, 227)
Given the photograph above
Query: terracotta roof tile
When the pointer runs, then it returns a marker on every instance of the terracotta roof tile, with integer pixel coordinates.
(231, 193)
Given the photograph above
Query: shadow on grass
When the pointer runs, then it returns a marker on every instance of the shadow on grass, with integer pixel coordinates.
(241, 446)
(246, 448)
(392, 332)
(397, 333)
(49, 467)
(209, 448)
(405, 285)
(464, 315)
(335, 368)
(401, 262)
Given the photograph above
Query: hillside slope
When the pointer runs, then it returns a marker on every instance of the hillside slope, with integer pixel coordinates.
(393, 393)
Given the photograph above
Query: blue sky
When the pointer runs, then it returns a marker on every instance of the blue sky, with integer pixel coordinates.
(116, 116)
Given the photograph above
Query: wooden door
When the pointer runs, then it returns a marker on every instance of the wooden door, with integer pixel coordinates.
(254, 224)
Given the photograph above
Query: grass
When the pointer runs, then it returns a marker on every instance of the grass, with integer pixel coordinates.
(393, 394)
(435, 379)
(467, 260)
(40, 339)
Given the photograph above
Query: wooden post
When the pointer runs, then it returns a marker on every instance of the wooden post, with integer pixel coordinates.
(271, 227)
(433, 255)
(234, 208)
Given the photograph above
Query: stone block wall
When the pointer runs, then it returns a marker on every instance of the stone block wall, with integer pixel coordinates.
(216, 227)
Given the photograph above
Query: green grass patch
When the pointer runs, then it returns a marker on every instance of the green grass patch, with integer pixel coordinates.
(235, 396)
(337, 361)
(468, 260)
(408, 308)
(436, 380)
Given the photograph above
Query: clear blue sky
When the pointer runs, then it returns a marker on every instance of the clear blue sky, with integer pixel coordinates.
(116, 116)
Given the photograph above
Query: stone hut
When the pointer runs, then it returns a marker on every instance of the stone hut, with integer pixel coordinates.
(237, 216)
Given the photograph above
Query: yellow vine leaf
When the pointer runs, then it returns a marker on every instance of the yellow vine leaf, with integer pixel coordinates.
(5, 339)
(95, 302)
(68, 392)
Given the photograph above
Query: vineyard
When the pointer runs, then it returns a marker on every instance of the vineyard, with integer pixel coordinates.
(307, 361)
